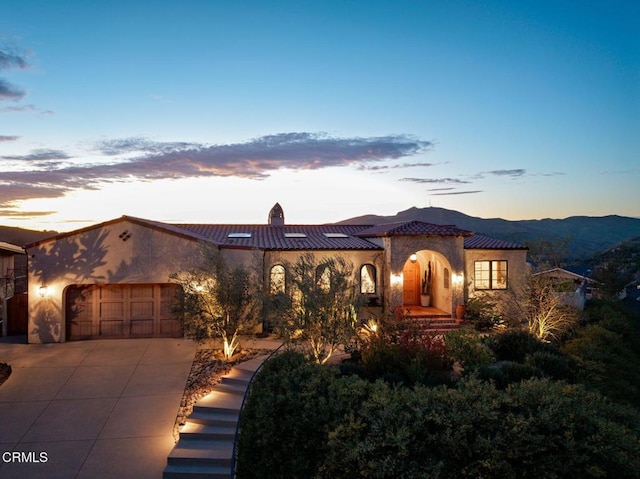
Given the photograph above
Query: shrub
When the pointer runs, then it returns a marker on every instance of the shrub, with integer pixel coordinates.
(286, 420)
(406, 357)
(554, 366)
(534, 429)
(482, 312)
(507, 372)
(607, 364)
(466, 347)
(516, 344)
(301, 420)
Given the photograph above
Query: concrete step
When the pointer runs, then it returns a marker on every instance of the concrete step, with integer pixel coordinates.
(240, 381)
(231, 387)
(221, 400)
(213, 432)
(251, 365)
(213, 452)
(214, 416)
(205, 448)
(196, 471)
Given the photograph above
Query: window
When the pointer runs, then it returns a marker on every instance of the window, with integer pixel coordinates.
(295, 235)
(446, 278)
(367, 279)
(323, 277)
(490, 275)
(277, 279)
(239, 235)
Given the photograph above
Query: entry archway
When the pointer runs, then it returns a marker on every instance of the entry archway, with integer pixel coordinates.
(427, 271)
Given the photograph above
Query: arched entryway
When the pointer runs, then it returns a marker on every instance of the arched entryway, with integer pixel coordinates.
(427, 281)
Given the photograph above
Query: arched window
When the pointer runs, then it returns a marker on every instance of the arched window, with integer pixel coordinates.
(367, 279)
(447, 278)
(323, 277)
(277, 279)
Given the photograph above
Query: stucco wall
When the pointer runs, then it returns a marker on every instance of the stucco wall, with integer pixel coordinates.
(120, 252)
(449, 253)
(517, 268)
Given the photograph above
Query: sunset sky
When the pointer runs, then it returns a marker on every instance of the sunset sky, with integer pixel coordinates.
(211, 111)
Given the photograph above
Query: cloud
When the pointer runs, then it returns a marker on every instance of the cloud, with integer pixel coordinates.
(444, 181)
(24, 108)
(630, 171)
(15, 213)
(457, 193)
(4, 138)
(396, 167)
(10, 192)
(254, 159)
(9, 91)
(40, 155)
(10, 58)
(138, 144)
(512, 173)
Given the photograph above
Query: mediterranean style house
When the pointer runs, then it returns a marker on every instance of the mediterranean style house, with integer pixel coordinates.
(111, 280)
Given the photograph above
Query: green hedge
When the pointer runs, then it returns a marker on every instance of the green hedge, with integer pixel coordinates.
(303, 420)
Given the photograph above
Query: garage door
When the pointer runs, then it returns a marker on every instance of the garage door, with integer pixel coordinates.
(121, 311)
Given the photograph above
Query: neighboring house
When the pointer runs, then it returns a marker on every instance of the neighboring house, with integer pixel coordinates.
(112, 279)
(12, 280)
(574, 288)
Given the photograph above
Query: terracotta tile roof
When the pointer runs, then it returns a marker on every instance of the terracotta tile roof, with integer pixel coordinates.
(408, 228)
(285, 237)
(484, 242)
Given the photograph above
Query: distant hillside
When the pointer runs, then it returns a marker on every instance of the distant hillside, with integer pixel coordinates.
(589, 235)
(21, 237)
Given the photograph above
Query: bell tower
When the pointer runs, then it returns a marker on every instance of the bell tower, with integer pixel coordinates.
(276, 215)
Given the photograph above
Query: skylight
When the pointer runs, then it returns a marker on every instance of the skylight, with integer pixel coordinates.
(335, 235)
(295, 235)
(239, 235)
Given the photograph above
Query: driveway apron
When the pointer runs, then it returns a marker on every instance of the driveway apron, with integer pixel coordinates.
(91, 409)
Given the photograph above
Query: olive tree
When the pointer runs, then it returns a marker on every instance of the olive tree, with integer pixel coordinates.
(216, 300)
(324, 299)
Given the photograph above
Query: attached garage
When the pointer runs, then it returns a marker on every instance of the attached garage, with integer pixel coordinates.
(120, 311)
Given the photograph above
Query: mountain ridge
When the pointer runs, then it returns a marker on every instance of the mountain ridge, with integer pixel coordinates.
(589, 235)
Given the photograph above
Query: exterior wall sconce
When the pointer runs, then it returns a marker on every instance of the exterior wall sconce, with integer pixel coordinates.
(458, 279)
(413, 258)
(396, 279)
(43, 290)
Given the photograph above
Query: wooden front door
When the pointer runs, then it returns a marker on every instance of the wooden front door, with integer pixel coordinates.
(411, 283)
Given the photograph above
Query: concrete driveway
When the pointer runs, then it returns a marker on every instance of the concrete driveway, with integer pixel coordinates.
(91, 409)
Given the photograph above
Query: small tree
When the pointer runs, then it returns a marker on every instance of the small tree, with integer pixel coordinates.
(216, 301)
(541, 309)
(322, 313)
